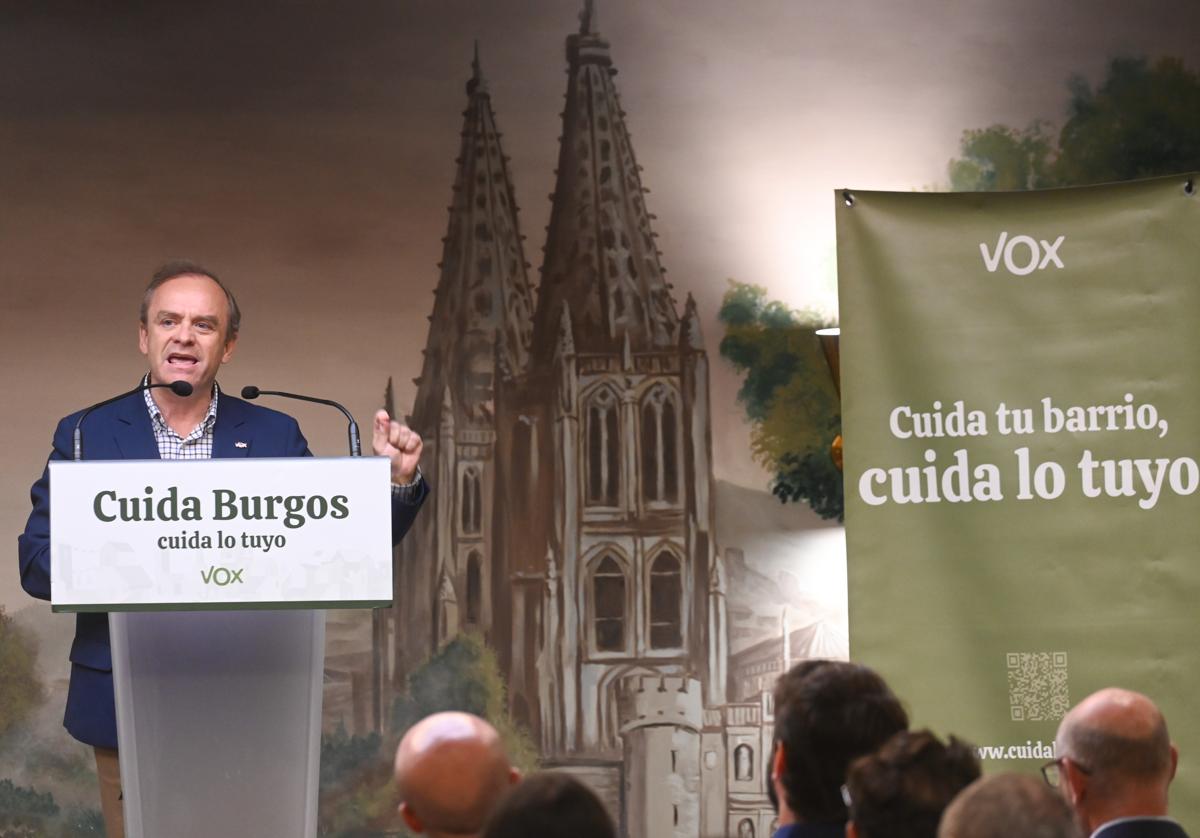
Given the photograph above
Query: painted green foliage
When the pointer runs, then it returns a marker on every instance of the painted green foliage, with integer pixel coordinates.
(787, 393)
(20, 688)
(1003, 158)
(28, 810)
(465, 676)
(26, 813)
(357, 795)
(1142, 121)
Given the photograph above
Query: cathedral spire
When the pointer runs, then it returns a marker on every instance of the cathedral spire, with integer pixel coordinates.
(690, 335)
(477, 81)
(587, 18)
(601, 257)
(484, 305)
(389, 399)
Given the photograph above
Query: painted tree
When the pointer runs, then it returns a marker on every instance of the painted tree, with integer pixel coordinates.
(1003, 158)
(1142, 120)
(20, 688)
(464, 676)
(357, 789)
(787, 393)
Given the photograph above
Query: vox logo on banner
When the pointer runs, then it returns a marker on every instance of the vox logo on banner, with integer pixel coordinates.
(1021, 254)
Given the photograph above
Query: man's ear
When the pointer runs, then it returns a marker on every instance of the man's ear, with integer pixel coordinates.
(1174, 761)
(229, 346)
(514, 776)
(1074, 780)
(411, 819)
(778, 761)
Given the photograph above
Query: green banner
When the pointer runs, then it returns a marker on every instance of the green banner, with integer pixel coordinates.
(1022, 433)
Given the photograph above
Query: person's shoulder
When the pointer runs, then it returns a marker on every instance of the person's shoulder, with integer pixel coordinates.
(115, 410)
(239, 410)
(1141, 827)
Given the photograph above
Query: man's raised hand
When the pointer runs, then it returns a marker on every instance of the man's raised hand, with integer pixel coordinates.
(400, 444)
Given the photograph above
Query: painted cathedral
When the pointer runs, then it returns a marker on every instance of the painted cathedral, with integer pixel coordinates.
(568, 434)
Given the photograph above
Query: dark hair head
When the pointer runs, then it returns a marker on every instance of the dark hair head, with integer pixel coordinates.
(827, 713)
(902, 789)
(178, 268)
(550, 804)
(1004, 805)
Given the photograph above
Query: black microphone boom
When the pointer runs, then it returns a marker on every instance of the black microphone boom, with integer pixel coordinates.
(179, 388)
(251, 392)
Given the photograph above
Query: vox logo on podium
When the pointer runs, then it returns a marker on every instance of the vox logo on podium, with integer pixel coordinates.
(221, 576)
(1021, 254)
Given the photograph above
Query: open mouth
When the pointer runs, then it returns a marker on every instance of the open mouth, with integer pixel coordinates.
(176, 359)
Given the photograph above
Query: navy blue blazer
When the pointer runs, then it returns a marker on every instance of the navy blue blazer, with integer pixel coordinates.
(122, 431)
(1141, 828)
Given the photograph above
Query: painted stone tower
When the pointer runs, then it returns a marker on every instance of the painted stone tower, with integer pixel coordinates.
(481, 320)
(604, 544)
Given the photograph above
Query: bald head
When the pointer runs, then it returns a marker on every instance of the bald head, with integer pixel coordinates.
(1117, 757)
(450, 771)
(1119, 734)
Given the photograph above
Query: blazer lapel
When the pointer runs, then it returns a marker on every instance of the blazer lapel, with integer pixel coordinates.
(231, 434)
(132, 432)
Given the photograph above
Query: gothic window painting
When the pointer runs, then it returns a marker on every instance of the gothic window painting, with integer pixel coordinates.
(666, 602)
(608, 602)
(474, 588)
(743, 763)
(470, 501)
(660, 460)
(603, 449)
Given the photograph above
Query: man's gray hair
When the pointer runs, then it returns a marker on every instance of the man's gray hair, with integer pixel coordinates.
(1004, 805)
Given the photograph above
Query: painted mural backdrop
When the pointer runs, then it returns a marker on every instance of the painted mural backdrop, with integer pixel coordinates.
(627, 418)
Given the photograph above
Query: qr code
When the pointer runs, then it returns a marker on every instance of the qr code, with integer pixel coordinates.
(1037, 686)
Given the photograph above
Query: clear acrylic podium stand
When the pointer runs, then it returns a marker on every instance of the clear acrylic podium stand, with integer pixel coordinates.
(226, 739)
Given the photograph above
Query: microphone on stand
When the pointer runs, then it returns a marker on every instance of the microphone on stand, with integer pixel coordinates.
(251, 392)
(179, 388)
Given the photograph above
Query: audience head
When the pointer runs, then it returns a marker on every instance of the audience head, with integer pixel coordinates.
(1004, 805)
(1115, 758)
(902, 789)
(551, 805)
(451, 770)
(827, 713)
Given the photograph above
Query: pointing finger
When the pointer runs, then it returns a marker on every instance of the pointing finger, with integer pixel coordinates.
(380, 430)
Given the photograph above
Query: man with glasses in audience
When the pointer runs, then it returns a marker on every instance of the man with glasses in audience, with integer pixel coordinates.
(1115, 763)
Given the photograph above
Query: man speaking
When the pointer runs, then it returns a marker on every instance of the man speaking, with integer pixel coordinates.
(189, 328)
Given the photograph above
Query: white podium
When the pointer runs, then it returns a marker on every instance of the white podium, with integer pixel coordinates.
(215, 573)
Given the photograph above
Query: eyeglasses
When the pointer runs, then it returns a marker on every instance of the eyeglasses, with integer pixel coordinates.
(1052, 771)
